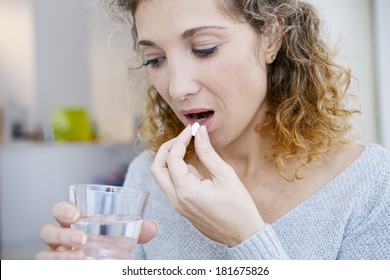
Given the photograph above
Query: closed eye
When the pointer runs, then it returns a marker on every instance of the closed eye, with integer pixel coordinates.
(204, 52)
(155, 62)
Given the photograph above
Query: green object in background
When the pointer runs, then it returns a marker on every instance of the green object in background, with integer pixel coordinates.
(71, 125)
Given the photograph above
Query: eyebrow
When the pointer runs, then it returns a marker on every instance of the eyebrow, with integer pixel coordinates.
(184, 36)
(191, 32)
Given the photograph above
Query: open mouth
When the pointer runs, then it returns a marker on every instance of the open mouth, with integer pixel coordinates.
(200, 117)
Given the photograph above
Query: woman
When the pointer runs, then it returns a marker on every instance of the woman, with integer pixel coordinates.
(272, 173)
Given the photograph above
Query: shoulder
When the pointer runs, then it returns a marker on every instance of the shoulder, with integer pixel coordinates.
(372, 169)
(142, 161)
(365, 184)
(369, 178)
(375, 150)
(375, 162)
(369, 187)
(367, 173)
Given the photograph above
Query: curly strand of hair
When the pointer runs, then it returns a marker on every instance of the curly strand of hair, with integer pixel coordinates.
(307, 113)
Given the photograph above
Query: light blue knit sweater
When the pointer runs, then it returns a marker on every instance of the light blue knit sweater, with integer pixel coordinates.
(349, 218)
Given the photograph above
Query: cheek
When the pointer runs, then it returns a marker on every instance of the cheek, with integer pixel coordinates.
(243, 81)
(160, 83)
(156, 80)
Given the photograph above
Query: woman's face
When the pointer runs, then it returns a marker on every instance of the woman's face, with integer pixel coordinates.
(208, 67)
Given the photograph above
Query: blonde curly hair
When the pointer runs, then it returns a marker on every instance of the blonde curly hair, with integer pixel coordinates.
(307, 90)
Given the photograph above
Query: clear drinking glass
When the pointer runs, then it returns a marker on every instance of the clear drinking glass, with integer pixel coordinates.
(111, 217)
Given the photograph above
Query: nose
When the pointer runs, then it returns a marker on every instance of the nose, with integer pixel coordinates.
(182, 82)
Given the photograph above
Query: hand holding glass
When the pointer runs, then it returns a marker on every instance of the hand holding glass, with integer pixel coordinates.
(111, 217)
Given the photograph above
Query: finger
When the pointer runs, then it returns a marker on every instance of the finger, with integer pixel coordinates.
(65, 213)
(54, 236)
(148, 231)
(159, 168)
(208, 156)
(177, 167)
(61, 255)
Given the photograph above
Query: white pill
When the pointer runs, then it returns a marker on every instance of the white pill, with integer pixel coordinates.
(194, 128)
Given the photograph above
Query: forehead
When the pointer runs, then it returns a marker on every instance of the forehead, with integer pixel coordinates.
(156, 16)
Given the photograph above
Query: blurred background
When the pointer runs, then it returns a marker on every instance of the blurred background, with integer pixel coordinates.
(69, 104)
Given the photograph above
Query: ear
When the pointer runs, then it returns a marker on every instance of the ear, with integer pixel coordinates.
(274, 38)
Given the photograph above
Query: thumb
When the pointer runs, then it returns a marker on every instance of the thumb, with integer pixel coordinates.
(148, 231)
(207, 155)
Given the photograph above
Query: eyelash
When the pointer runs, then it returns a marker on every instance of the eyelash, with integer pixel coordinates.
(204, 52)
(201, 53)
(155, 62)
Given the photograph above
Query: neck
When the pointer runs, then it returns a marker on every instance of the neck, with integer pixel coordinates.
(247, 160)
(247, 153)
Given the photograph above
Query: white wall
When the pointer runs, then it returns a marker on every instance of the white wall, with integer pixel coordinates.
(382, 41)
(350, 27)
(62, 56)
(17, 59)
(116, 92)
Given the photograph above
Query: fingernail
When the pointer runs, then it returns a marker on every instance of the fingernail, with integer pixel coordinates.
(75, 216)
(84, 239)
(79, 239)
(69, 213)
(156, 224)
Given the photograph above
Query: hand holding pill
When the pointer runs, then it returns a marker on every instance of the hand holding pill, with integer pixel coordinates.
(215, 205)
